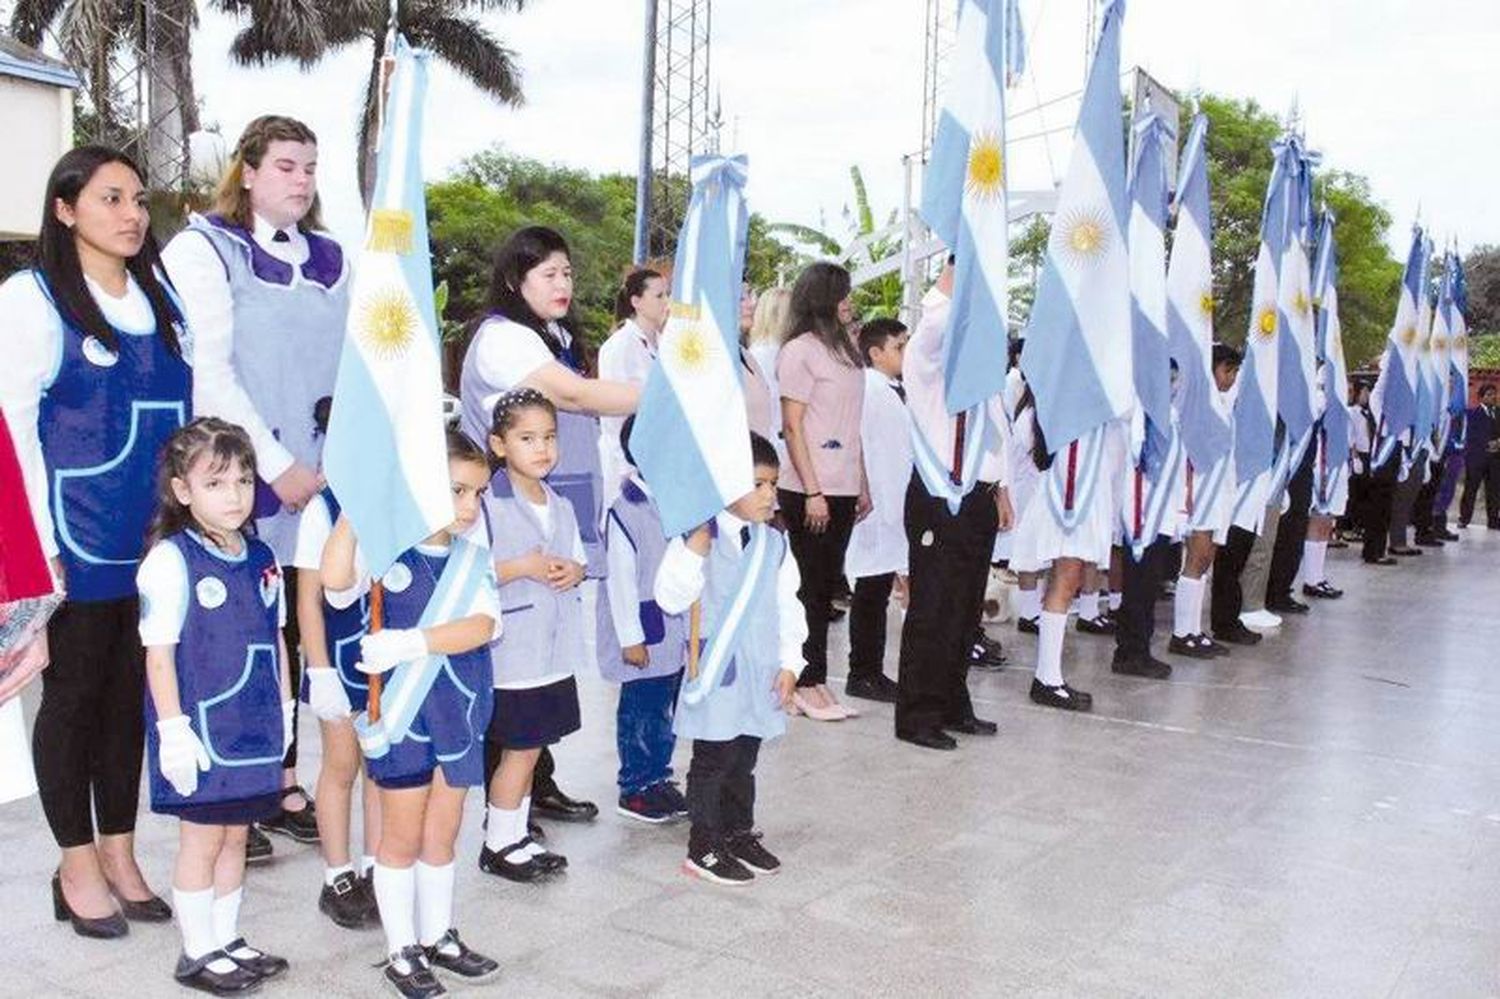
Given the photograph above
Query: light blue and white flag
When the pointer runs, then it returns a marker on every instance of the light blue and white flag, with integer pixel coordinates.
(1440, 351)
(1190, 308)
(386, 455)
(1296, 350)
(1077, 357)
(964, 199)
(1332, 459)
(1458, 389)
(1393, 401)
(691, 439)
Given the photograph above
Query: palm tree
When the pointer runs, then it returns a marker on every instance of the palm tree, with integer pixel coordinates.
(307, 30)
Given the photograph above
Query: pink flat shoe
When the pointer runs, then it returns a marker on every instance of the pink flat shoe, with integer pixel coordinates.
(834, 704)
(815, 712)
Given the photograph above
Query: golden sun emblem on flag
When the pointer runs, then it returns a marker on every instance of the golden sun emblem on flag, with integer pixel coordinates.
(985, 178)
(388, 322)
(1438, 342)
(1083, 236)
(1408, 336)
(686, 346)
(1206, 304)
(1302, 304)
(1460, 343)
(1265, 323)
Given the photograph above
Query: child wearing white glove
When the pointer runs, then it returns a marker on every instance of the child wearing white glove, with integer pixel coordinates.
(220, 706)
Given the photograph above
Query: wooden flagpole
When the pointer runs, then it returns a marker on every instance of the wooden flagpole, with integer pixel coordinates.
(695, 628)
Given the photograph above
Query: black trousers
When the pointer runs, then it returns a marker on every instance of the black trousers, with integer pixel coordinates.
(1481, 474)
(1286, 554)
(949, 559)
(1135, 621)
(90, 732)
(1229, 561)
(293, 636)
(867, 629)
(721, 790)
(1403, 501)
(1379, 489)
(1421, 512)
(820, 561)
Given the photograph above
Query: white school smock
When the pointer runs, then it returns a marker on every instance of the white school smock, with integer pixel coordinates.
(877, 545)
(626, 356)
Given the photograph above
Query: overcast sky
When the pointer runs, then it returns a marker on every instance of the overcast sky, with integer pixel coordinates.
(1406, 92)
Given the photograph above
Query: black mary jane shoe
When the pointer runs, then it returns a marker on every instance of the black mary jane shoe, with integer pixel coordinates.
(1028, 626)
(196, 974)
(411, 975)
(548, 861)
(456, 957)
(494, 862)
(1192, 646)
(108, 927)
(1321, 591)
(1218, 650)
(1062, 697)
(1101, 625)
(256, 960)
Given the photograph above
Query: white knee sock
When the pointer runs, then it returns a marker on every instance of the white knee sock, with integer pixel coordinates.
(1052, 627)
(366, 864)
(1086, 605)
(1115, 600)
(396, 895)
(533, 848)
(434, 902)
(1028, 604)
(227, 917)
(194, 911)
(507, 826)
(1187, 607)
(1313, 555)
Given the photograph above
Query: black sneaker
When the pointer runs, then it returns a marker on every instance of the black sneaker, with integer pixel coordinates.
(1062, 696)
(987, 652)
(452, 955)
(643, 806)
(669, 798)
(411, 975)
(717, 866)
(745, 847)
(301, 825)
(1029, 625)
(871, 687)
(345, 901)
(258, 848)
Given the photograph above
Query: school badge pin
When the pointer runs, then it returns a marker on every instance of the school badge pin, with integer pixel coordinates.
(99, 355)
(397, 578)
(211, 593)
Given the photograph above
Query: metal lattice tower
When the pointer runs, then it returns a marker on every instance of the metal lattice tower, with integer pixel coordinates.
(941, 22)
(676, 119)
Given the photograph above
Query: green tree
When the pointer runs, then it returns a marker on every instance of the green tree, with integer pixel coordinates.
(307, 30)
(878, 297)
(1482, 270)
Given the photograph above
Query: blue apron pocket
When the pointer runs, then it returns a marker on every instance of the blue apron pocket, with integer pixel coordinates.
(241, 726)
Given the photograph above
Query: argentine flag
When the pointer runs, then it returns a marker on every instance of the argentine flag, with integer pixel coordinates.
(964, 199)
(691, 438)
(1393, 401)
(1333, 458)
(386, 456)
(1458, 393)
(1077, 357)
(1190, 308)
(1296, 349)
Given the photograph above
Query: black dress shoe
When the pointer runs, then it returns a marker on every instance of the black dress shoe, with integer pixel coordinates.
(972, 726)
(929, 738)
(1028, 626)
(1061, 696)
(1428, 541)
(559, 807)
(256, 960)
(1238, 634)
(1218, 650)
(258, 848)
(548, 861)
(1406, 552)
(1192, 646)
(1383, 560)
(1147, 667)
(871, 687)
(1101, 625)
(412, 976)
(987, 653)
(107, 927)
(535, 831)
(152, 910)
(1286, 605)
(494, 862)
(456, 957)
(1322, 591)
(196, 974)
(345, 902)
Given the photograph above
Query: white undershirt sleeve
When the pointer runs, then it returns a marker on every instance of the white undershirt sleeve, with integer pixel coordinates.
(679, 580)
(162, 579)
(32, 335)
(790, 615)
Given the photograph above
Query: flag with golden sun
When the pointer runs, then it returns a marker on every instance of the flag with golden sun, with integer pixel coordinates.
(386, 457)
(1394, 398)
(964, 199)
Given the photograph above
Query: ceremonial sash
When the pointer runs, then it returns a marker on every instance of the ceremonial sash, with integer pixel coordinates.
(1073, 479)
(753, 568)
(1149, 498)
(936, 474)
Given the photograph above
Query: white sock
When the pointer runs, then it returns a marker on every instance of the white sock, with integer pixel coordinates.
(1029, 603)
(1086, 605)
(507, 827)
(1313, 555)
(1115, 600)
(331, 874)
(1187, 607)
(366, 864)
(195, 919)
(1051, 629)
(227, 917)
(396, 895)
(434, 902)
(533, 849)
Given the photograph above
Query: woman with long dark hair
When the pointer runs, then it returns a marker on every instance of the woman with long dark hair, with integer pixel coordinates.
(94, 382)
(527, 339)
(823, 492)
(641, 307)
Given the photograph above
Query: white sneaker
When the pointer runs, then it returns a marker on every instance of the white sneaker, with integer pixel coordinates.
(1261, 620)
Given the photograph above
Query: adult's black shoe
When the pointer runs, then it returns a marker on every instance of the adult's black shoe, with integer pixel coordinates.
(972, 726)
(104, 928)
(1428, 540)
(1447, 535)
(561, 808)
(929, 738)
(1238, 634)
(1406, 552)
(1322, 591)
(1286, 605)
(1028, 625)
(1062, 696)
(1192, 646)
(301, 825)
(1218, 650)
(1383, 560)
(871, 687)
(151, 910)
(524, 871)
(195, 973)
(1148, 667)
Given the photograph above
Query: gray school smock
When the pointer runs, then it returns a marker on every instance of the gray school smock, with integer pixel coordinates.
(543, 629)
(744, 702)
(666, 634)
(288, 333)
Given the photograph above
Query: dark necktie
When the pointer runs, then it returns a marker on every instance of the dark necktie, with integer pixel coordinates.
(900, 390)
(744, 537)
(281, 237)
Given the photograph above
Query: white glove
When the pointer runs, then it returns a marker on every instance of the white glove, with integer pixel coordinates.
(386, 649)
(288, 725)
(326, 695)
(181, 755)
